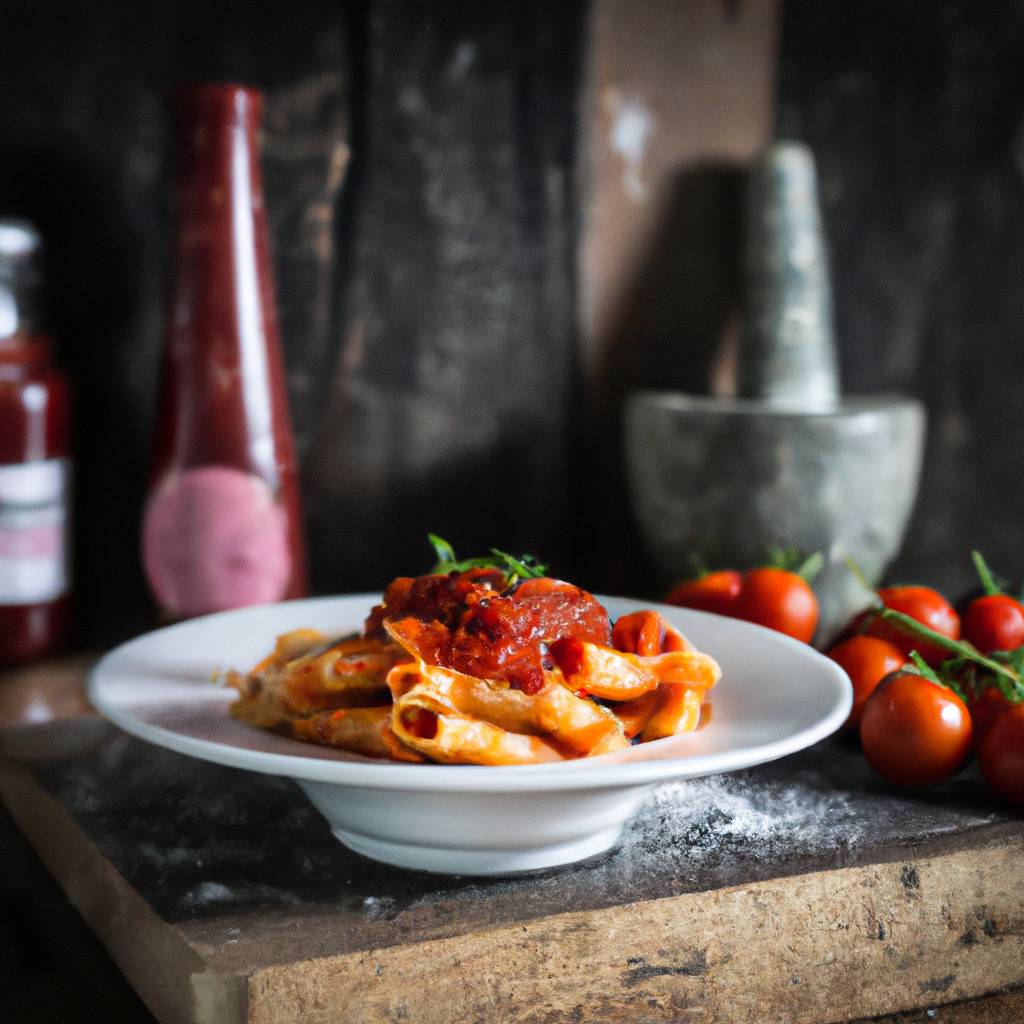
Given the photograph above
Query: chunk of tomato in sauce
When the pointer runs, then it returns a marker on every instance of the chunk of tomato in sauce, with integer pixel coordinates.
(472, 627)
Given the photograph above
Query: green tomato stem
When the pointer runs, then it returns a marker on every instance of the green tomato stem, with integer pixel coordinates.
(957, 647)
(988, 581)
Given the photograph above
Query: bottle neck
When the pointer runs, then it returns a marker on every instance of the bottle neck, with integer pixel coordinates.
(222, 396)
(217, 167)
(222, 287)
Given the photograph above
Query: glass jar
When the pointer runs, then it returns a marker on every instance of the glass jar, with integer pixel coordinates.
(35, 461)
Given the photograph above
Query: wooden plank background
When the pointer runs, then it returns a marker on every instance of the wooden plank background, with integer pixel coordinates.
(429, 284)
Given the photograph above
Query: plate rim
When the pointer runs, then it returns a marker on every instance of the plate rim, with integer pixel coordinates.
(583, 774)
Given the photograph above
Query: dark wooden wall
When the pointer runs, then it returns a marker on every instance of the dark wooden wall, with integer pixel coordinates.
(425, 284)
(422, 181)
(85, 153)
(916, 113)
(451, 407)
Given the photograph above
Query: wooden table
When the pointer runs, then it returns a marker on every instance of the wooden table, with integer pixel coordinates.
(800, 891)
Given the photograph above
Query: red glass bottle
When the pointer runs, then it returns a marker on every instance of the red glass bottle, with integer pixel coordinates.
(222, 525)
(35, 448)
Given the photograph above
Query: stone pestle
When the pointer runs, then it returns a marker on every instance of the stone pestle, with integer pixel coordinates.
(787, 349)
(789, 462)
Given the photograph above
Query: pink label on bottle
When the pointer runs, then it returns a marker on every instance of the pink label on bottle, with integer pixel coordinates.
(214, 538)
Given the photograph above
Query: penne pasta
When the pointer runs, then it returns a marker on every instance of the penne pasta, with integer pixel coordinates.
(615, 675)
(425, 720)
(304, 675)
(502, 706)
(677, 711)
(364, 731)
(580, 726)
(635, 714)
(482, 665)
(647, 633)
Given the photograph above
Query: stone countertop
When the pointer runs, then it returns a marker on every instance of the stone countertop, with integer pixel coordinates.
(235, 888)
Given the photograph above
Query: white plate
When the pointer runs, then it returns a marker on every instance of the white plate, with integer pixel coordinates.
(776, 696)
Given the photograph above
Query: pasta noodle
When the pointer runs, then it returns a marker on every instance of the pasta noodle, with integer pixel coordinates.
(577, 727)
(306, 674)
(471, 667)
(363, 730)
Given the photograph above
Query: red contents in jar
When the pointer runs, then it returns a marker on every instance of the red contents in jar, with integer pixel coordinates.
(464, 622)
(35, 436)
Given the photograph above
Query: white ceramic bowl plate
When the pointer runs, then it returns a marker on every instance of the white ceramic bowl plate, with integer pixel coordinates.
(776, 696)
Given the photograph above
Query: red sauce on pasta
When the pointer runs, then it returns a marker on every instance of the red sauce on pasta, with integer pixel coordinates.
(470, 625)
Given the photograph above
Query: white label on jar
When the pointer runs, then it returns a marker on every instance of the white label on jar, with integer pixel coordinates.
(33, 522)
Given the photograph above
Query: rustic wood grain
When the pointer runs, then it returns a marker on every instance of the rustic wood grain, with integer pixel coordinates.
(917, 133)
(428, 299)
(52, 966)
(813, 948)
(1004, 1008)
(45, 691)
(451, 408)
(156, 960)
(223, 896)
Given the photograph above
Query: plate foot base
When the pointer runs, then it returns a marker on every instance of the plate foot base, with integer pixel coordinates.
(455, 861)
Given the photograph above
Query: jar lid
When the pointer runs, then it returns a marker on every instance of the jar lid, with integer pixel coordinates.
(20, 245)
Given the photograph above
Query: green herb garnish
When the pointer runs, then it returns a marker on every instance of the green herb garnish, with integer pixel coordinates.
(525, 567)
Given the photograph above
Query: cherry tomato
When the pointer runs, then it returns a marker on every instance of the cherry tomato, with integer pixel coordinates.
(779, 600)
(867, 661)
(1001, 755)
(994, 622)
(714, 592)
(986, 707)
(926, 606)
(915, 732)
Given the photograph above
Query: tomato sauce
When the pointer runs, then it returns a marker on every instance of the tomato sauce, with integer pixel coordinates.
(471, 624)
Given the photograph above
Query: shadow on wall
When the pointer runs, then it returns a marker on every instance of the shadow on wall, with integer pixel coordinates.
(686, 290)
(675, 330)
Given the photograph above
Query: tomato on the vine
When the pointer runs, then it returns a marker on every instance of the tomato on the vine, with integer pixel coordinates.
(1001, 755)
(713, 592)
(924, 605)
(867, 660)
(780, 600)
(771, 596)
(915, 732)
(994, 622)
(986, 707)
